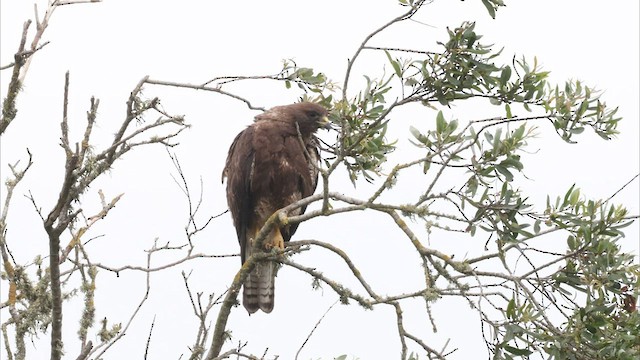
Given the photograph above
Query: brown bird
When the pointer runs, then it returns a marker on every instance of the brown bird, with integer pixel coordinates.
(267, 169)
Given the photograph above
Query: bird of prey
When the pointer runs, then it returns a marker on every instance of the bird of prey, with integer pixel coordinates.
(271, 164)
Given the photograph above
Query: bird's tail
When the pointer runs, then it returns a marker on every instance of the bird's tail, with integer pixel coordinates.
(259, 287)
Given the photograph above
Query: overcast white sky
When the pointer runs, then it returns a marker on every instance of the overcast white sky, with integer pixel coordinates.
(108, 47)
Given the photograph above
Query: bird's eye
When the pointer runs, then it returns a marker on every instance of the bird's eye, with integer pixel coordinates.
(313, 114)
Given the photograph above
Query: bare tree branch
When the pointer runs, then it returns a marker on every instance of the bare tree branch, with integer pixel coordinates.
(205, 88)
(146, 348)
(314, 329)
(85, 351)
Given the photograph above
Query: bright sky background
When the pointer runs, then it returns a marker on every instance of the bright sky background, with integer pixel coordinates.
(108, 47)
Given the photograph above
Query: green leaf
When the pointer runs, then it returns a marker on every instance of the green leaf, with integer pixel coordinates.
(490, 8)
(519, 132)
(472, 185)
(427, 165)
(536, 226)
(505, 172)
(575, 196)
(411, 82)
(453, 125)
(516, 351)
(565, 202)
(395, 64)
(496, 141)
(441, 123)
(583, 108)
(511, 309)
(505, 75)
(415, 132)
(512, 161)
(507, 108)
(577, 130)
(495, 101)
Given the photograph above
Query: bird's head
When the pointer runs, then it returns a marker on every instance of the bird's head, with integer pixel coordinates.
(308, 117)
(315, 115)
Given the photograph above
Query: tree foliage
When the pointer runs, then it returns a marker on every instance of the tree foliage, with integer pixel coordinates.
(577, 303)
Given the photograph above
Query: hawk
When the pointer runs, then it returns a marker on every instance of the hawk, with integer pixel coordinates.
(271, 164)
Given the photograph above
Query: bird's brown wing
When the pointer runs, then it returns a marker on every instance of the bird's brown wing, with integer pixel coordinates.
(308, 180)
(238, 171)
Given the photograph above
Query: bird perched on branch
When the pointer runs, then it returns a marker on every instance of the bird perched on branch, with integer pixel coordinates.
(271, 164)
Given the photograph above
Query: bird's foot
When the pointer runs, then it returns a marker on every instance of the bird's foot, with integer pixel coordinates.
(277, 241)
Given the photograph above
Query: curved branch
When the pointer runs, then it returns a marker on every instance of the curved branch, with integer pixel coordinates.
(205, 88)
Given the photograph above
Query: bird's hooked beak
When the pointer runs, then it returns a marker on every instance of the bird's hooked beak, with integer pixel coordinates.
(325, 123)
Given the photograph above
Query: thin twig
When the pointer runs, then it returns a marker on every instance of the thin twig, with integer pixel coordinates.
(622, 187)
(146, 348)
(407, 15)
(314, 329)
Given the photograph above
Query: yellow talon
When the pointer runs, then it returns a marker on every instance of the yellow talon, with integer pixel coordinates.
(274, 240)
(278, 241)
